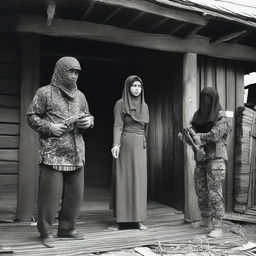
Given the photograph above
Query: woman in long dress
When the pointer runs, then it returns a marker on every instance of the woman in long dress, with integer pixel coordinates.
(131, 117)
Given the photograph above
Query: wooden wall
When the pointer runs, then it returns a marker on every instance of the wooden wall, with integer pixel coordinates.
(245, 153)
(9, 124)
(227, 77)
(163, 88)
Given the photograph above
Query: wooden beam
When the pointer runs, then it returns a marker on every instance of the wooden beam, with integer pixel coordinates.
(157, 25)
(194, 31)
(177, 28)
(229, 36)
(106, 33)
(147, 7)
(132, 21)
(51, 6)
(88, 10)
(28, 148)
(115, 12)
(189, 106)
(239, 38)
(82, 57)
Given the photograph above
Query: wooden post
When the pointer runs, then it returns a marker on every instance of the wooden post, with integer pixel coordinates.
(189, 106)
(28, 148)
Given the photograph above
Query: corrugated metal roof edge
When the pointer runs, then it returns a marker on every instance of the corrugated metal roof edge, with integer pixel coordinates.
(207, 12)
(220, 9)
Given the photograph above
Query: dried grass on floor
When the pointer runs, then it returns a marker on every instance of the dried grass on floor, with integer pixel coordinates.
(246, 231)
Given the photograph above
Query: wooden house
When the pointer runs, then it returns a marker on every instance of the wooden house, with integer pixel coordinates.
(177, 48)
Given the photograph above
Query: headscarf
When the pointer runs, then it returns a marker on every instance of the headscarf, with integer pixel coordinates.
(135, 106)
(60, 78)
(209, 106)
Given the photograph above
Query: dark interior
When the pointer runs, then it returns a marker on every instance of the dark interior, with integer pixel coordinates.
(104, 70)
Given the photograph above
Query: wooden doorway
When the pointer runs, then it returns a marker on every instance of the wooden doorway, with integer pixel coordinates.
(105, 68)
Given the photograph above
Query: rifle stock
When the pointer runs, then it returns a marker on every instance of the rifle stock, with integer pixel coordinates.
(188, 134)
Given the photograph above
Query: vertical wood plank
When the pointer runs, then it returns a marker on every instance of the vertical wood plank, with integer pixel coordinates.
(190, 89)
(28, 164)
(210, 73)
(239, 85)
(231, 102)
(200, 81)
(165, 158)
(221, 82)
(178, 148)
(203, 75)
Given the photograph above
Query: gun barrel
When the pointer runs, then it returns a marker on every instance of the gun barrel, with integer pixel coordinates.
(74, 118)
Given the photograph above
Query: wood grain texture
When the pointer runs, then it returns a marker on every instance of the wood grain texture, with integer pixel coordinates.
(152, 8)
(9, 142)
(8, 196)
(12, 101)
(190, 103)
(165, 151)
(9, 155)
(9, 129)
(28, 147)
(165, 226)
(229, 84)
(106, 33)
(9, 86)
(7, 167)
(9, 115)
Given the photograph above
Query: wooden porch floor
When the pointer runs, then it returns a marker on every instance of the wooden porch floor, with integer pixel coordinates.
(164, 223)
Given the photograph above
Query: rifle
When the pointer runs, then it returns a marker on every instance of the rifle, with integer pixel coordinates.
(187, 136)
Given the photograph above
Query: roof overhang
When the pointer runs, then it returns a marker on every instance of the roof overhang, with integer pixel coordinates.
(156, 24)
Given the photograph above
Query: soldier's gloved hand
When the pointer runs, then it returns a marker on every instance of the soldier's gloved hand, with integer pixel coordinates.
(58, 129)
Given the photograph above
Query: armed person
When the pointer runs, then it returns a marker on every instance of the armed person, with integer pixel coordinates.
(208, 136)
(59, 113)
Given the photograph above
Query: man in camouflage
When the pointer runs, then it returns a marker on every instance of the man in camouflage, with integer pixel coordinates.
(212, 128)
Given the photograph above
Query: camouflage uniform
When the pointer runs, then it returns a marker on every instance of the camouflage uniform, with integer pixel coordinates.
(210, 173)
(209, 177)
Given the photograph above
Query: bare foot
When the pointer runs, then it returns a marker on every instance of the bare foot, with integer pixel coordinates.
(115, 227)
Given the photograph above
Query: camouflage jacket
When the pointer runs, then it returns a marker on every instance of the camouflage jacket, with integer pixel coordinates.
(214, 142)
(51, 106)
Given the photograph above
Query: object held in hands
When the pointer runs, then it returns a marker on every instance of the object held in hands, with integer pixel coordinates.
(187, 136)
(74, 118)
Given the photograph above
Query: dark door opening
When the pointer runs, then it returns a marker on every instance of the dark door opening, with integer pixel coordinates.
(104, 70)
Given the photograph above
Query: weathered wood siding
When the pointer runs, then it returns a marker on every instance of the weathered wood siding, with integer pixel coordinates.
(28, 146)
(245, 159)
(227, 77)
(165, 156)
(9, 123)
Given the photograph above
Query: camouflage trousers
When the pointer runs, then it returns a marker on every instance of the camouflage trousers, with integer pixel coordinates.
(209, 177)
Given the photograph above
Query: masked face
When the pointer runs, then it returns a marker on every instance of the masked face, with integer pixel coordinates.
(72, 75)
(136, 88)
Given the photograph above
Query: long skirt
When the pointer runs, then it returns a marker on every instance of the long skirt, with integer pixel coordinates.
(130, 180)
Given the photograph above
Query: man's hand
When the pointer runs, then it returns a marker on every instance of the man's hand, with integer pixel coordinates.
(85, 122)
(58, 129)
(197, 139)
(115, 151)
